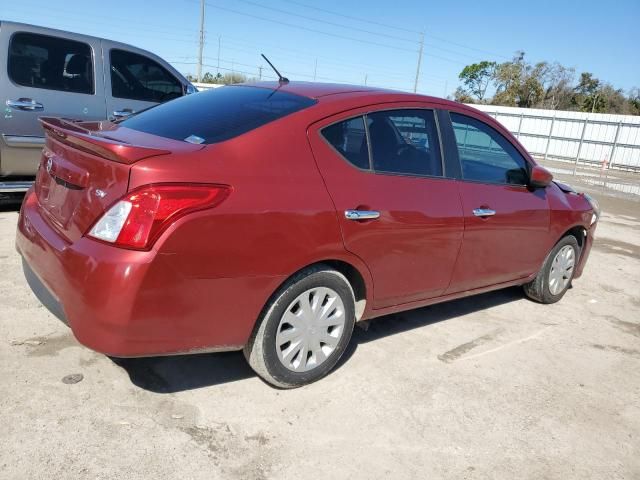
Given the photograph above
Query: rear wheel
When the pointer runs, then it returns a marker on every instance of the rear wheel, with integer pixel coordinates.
(554, 279)
(304, 330)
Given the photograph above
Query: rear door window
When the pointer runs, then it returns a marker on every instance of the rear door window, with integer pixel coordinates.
(218, 114)
(52, 63)
(405, 142)
(136, 77)
(486, 155)
(350, 141)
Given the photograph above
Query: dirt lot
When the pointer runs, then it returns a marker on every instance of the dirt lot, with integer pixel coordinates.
(494, 386)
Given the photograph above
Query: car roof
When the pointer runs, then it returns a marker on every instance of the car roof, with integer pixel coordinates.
(319, 91)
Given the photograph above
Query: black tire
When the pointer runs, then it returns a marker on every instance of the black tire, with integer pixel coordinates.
(538, 288)
(261, 352)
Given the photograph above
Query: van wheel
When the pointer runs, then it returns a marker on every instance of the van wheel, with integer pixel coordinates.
(304, 329)
(554, 279)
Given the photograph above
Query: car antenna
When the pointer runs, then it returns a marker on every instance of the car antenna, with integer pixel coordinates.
(281, 80)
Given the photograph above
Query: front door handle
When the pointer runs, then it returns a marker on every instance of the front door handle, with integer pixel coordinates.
(26, 104)
(361, 214)
(484, 212)
(118, 114)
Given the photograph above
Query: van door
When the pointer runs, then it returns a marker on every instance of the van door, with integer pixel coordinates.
(136, 80)
(48, 74)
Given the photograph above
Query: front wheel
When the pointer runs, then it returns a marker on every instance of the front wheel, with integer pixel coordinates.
(305, 329)
(554, 279)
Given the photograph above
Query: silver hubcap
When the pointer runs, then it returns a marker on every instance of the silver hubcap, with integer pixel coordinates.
(310, 329)
(562, 269)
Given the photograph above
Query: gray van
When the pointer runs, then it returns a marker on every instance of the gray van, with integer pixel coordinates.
(53, 73)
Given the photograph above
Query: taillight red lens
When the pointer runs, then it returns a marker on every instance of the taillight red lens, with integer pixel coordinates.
(151, 209)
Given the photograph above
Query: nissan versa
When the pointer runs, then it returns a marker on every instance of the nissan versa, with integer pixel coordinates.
(271, 217)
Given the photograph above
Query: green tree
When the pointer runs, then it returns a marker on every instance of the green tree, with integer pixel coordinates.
(556, 81)
(588, 96)
(476, 78)
(518, 83)
(462, 96)
(634, 101)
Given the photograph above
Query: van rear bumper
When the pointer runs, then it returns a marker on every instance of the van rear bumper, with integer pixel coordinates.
(17, 186)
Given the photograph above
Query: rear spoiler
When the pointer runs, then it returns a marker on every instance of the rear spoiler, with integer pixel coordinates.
(77, 136)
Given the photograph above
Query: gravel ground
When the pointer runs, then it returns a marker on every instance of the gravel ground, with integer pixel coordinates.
(494, 386)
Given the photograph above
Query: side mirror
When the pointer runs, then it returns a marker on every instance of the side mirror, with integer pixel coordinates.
(189, 89)
(540, 177)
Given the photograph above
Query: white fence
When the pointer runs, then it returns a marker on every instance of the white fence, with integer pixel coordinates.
(577, 136)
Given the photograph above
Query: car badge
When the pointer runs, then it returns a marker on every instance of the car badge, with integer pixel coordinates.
(100, 193)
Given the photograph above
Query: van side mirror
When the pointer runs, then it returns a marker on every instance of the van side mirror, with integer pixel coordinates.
(540, 177)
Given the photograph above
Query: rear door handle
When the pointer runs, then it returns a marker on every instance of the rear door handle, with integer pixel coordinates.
(26, 104)
(484, 212)
(361, 214)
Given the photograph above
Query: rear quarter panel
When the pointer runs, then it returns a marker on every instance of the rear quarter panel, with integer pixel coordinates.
(277, 219)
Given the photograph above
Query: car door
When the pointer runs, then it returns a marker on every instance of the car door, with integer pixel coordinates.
(506, 222)
(47, 74)
(398, 210)
(136, 80)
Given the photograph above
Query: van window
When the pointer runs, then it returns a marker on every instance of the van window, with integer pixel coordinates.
(137, 77)
(218, 114)
(52, 63)
(350, 141)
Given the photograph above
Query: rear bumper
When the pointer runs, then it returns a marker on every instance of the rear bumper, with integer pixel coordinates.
(127, 303)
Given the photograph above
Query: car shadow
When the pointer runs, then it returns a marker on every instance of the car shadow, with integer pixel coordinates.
(187, 372)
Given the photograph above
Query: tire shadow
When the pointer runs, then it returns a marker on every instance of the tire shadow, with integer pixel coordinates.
(187, 372)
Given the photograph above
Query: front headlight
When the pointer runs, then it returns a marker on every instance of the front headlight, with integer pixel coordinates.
(595, 206)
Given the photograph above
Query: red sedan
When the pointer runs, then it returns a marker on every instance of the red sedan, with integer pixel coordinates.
(272, 217)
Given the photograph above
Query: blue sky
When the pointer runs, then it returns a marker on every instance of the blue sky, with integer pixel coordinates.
(588, 35)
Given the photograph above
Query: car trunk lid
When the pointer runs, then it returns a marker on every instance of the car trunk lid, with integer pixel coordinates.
(85, 168)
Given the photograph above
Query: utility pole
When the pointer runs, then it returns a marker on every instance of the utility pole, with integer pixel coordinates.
(219, 46)
(200, 50)
(365, 78)
(260, 72)
(315, 70)
(415, 84)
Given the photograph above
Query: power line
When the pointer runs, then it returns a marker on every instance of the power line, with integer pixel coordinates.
(352, 28)
(341, 66)
(327, 22)
(470, 48)
(235, 63)
(372, 22)
(336, 35)
(322, 32)
(350, 17)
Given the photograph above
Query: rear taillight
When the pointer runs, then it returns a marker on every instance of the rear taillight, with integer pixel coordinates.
(138, 219)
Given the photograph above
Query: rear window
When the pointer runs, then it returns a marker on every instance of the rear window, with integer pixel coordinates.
(218, 114)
